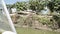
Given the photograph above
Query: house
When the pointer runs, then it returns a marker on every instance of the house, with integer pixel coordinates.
(45, 11)
(13, 10)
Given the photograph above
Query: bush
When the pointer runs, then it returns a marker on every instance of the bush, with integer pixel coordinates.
(57, 19)
(31, 19)
(43, 20)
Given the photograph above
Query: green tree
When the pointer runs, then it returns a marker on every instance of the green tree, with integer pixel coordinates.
(54, 5)
(36, 5)
(20, 6)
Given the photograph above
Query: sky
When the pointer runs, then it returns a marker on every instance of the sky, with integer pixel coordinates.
(13, 1)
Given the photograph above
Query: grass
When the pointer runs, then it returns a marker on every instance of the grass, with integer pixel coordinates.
(34, 31)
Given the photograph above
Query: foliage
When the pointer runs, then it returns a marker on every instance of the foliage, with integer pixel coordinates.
(57, 19)
(43, 20)
(32, 4)
(20, 6)
(36, 5)
(54, 5)
(32, 18)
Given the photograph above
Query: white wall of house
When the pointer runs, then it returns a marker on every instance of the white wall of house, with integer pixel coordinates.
(13, 10)
(45, 11)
